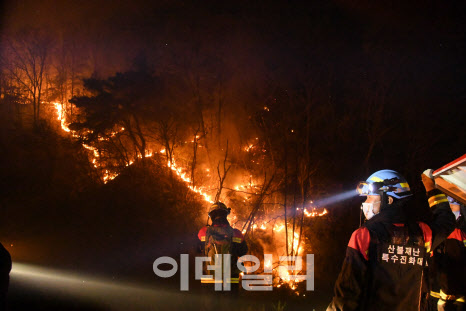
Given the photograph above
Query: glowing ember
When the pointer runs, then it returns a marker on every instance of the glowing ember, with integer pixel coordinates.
(248, 148)
(314, 213)
(278, 228)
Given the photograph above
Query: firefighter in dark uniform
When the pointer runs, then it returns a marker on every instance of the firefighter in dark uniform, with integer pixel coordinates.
(386, 258)
(448, 271)
(221, 238)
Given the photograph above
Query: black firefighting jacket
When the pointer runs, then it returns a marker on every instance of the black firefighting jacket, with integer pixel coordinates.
(448, 271)
(386, 258)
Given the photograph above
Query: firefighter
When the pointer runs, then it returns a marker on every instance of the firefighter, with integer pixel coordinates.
(448, 273)
(221, 238)
(385, 258)
(5, 267)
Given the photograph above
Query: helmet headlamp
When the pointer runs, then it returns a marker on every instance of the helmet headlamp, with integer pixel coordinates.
(365, 188)
(385, 181)
(362, 188)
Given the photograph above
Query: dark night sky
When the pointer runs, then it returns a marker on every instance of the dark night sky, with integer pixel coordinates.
(418, 45)
(283, 32)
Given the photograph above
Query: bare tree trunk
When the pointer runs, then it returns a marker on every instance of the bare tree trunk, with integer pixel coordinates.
(73, 77)
(286, 183)
(140, 145)
(294, 200)
(122, 150)
(269, 143)
(219, 115)
(194, 162)
(34, 120)
(265, 187)
(142, 140)
(223, 176)
(303, 195)
(39, 99)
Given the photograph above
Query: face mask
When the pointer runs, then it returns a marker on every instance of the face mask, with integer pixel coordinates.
(457, 214)
(368, 210)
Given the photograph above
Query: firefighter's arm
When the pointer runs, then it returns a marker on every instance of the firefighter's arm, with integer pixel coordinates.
(239, 243)
(350, 284)
(443, 222)
(200, 249)
(242, 248)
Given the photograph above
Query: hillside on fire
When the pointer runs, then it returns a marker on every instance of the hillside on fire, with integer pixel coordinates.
(60, 214)
(122, 124)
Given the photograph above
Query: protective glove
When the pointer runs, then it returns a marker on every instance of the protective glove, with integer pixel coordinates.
(428, 180)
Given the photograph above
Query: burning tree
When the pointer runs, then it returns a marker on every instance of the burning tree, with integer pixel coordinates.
(116, 112)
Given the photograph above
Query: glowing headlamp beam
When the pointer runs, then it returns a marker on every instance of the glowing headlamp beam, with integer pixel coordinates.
(336, 198)
(107, 292)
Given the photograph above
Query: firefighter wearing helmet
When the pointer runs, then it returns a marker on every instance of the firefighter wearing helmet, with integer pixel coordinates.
(386, 257)
(221, 239)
